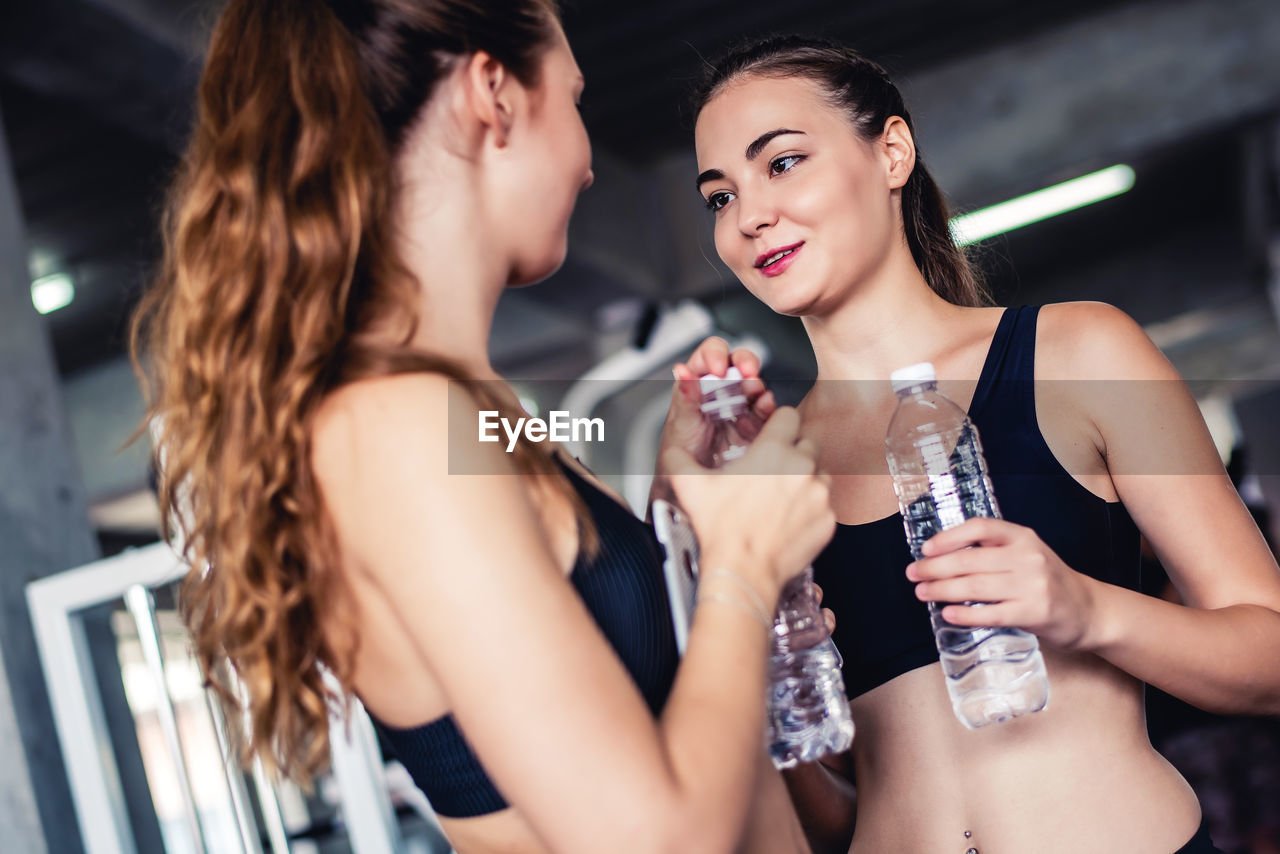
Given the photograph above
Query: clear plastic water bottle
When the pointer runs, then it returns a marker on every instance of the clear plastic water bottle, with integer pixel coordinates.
(808, 708)
(941, 479)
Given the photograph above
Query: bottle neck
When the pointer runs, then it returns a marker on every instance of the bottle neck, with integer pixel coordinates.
(733, 424)
(916, 388)
(725, 404)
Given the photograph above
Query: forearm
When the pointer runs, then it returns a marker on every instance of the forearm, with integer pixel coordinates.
(826, 805)
(713, 722)
(1224, 660)
(772, 825)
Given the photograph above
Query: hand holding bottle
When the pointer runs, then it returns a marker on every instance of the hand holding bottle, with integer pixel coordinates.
(685, 426)
(994, 670)
(1020, 580)
(808, 711)
(765, 514)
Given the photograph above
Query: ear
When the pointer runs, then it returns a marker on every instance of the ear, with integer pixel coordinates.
(900, 149)
(491, 94)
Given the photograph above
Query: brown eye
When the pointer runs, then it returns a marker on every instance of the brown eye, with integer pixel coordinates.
(716, 201)
(778, 165)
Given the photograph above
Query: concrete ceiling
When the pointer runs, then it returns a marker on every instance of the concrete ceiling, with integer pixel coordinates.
(1008, 96)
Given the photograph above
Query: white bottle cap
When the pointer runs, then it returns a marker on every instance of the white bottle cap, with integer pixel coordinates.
(912, 375)
(710, 382)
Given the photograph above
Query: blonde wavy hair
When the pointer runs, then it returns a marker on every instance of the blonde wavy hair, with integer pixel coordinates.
(278, 259)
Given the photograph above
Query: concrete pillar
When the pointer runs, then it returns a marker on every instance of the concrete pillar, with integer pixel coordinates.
(44, 528)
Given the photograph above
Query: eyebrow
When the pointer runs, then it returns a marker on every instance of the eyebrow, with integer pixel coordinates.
(753, 151)
(757, 146)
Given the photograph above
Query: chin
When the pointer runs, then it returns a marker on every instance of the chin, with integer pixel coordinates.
(788, 305)
(793, 310)
(531, 271)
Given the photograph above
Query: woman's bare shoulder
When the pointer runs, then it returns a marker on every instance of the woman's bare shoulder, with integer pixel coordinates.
(411, 429)
(1095, 341)
(394, 413)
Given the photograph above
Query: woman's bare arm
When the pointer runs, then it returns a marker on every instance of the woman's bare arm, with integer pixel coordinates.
(552, 714)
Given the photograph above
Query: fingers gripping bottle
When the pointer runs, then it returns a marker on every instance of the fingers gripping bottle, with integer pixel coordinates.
(941, 479)
(808, 715)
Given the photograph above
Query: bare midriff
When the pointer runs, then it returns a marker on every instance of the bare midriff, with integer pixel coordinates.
(1080, 775)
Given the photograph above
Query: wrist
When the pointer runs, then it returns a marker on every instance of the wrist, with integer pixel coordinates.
(1100, 630)
(741, 562)
(723, 585)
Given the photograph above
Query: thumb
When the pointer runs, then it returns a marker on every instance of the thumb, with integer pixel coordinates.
(685, 424)
(687, 382)
(685, 398)
(783, 426)
(678, 461)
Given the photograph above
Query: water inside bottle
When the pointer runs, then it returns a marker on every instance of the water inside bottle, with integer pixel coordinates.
(808, 711)
(993, 674)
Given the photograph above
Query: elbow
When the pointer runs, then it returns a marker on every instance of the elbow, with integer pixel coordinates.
(1266, 690)
(1253, 687)
(1269, 702)
(1259, 695)
(1263, 704)
(1253, 701)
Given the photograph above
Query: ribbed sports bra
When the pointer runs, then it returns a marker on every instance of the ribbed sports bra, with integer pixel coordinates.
(623, 588)
(882, 629)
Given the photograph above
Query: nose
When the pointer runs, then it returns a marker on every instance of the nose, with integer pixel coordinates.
(755, 213)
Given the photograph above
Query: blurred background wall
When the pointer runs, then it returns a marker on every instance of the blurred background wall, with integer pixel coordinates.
(1008, 97)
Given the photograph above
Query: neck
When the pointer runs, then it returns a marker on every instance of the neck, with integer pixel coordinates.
(891, 320)
(460, 278)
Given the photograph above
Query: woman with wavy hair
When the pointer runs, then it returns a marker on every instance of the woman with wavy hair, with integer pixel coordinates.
(808, 163)
(364, 180)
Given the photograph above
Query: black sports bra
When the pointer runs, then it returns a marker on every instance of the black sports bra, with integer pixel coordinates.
(882, 629)
(623, 588)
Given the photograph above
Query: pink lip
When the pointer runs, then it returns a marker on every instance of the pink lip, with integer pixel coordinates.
(777, 267)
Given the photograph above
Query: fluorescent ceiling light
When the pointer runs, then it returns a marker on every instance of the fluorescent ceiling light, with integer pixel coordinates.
(1042, 204)
(50, 293)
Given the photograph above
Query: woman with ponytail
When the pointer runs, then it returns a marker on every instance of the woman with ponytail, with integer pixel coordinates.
(364, 179)
(824, 209)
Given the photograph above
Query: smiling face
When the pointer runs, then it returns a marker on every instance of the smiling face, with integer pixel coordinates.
(804, 207)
